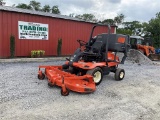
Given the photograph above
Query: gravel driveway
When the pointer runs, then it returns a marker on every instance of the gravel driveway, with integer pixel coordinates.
(24, 97)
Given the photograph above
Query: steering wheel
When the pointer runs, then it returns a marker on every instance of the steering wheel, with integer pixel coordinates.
(81, 42)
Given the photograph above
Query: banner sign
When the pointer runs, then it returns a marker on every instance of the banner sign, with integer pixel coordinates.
(30, 30)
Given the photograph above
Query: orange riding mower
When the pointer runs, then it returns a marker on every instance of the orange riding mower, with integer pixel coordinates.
(86, 68)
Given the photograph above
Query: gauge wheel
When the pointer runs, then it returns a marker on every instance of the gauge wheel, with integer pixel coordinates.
(50, 84)
(97, 75)
(41, 77)
(119, 74)
(65, 93)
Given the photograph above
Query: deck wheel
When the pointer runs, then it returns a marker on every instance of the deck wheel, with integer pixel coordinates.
(41, 77)
(66, 93)
(50, 84)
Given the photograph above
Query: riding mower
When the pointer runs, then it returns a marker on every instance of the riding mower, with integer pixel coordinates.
(86, 68)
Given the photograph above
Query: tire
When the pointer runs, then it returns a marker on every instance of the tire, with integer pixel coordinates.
(97, 75)
(65, 93)
(69, 70)
(119, 74)
(50, 84)
(65, 66)
(41, 77)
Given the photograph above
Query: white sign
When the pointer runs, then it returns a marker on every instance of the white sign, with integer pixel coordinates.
(30, 30)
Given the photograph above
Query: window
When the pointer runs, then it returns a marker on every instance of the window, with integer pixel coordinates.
(132, 41)
(139, 41)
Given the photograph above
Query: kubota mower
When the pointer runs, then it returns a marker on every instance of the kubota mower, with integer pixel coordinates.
(85, 69)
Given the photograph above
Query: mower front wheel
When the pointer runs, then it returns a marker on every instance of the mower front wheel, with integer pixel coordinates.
(119, 74)
(41, 77)
(97, 75)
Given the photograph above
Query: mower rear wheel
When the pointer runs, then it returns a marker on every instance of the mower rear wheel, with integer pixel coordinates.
(65, 93)
(119, 74)
(41, 77)
(97, 75)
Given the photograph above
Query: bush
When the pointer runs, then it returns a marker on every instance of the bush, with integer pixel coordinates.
(12, 46)
(59, 46)
(37, 53)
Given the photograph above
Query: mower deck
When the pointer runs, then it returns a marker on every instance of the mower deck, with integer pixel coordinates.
(56, 76)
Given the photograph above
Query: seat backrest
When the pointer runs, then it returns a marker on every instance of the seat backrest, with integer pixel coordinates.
(116, 42)
(97, 46)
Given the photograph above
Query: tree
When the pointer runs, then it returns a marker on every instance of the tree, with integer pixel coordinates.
(46, 8)
(116, 21)
(35, 5)
(124, 31)
(135, 26)
(55, 10)
(119, 19)
(24, 6)
(2, 2)
(72, 15)
(154, 28)
(108, 21)
(87, 17)
(79, 16)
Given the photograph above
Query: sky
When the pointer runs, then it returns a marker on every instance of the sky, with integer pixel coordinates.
(139, 10)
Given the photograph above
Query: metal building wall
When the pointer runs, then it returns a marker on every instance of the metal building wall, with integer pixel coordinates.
(68, 30)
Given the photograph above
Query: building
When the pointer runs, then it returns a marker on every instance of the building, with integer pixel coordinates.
(34, 30)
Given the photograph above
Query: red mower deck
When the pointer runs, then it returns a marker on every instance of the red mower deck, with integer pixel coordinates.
(67, 81)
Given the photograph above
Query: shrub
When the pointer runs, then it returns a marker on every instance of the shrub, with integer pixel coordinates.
(12, 46)
(42, 52)
(33, 53)
(59, 46)
(37, 53)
